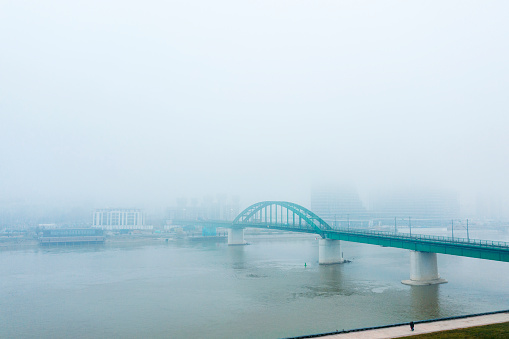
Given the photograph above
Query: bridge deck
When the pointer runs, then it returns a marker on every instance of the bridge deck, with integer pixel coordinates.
(483, 249)
(473, 248)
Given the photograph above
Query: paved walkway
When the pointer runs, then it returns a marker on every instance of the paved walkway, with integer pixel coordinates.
(444, 325)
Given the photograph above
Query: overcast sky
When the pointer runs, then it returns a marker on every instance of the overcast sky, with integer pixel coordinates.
(135, 102)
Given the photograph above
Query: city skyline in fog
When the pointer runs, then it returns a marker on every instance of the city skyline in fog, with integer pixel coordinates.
(128, 104)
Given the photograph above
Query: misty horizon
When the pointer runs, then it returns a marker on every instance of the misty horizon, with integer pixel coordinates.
(124, 104)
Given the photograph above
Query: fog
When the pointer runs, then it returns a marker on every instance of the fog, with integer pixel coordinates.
(132, 134)
(128, 103)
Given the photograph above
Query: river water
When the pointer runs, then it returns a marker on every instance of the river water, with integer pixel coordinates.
(189, 289)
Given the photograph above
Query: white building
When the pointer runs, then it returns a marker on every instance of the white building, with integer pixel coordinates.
(120, 219)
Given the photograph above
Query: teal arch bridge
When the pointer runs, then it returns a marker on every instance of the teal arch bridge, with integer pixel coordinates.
(287, 216)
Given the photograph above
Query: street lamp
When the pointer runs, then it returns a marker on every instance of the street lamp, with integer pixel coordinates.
(468, 235)
(468, 238)
(401, 219)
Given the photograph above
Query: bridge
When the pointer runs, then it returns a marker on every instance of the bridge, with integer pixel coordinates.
(287, 216)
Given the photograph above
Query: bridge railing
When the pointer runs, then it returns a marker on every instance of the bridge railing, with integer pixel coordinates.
(424, 237)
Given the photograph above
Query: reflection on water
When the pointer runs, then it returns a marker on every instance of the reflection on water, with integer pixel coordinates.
(330, 274)
(424, 301)
(237, 257)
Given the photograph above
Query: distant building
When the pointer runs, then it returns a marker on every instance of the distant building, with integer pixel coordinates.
(221, 208)
(339, 206)
(424, 207)
(490, 206)
(119, 219)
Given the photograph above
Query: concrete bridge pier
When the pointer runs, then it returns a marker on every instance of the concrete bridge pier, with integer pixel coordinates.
(236, 236)
(329, 252)
(423, 269)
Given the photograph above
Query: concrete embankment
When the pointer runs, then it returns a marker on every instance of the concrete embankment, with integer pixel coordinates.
(423, 326)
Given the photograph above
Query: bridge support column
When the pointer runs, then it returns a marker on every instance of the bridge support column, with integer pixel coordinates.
(329, 252)
(423, 269)
(236, 236)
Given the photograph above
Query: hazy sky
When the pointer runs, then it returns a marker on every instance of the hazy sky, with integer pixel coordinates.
(135, 102)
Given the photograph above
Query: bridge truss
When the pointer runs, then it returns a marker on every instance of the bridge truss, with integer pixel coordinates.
(281, 215)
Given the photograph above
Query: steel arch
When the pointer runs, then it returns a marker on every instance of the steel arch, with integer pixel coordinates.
(312, 222)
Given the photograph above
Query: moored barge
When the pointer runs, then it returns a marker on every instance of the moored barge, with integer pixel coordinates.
(71, 236)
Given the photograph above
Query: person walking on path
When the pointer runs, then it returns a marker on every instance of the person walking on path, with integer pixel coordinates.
(412, 325)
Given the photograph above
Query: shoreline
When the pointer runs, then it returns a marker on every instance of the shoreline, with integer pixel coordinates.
(20, 243)
(14, 244)
(421, 327)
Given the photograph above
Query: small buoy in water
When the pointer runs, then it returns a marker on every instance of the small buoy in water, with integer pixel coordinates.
(305, 265)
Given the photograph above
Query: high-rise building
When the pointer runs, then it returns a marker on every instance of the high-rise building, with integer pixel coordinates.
(221, 208)
(339, 206)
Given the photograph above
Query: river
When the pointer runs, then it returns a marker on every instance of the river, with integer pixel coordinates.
(271, 288)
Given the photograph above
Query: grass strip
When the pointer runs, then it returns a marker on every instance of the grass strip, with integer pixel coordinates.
(487, 331)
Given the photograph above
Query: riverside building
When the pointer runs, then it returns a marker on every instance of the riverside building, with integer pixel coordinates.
(119, 219)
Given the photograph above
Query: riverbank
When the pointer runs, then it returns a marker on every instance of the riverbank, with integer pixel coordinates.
(26, 242)
(493, 331)
(423, 327)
